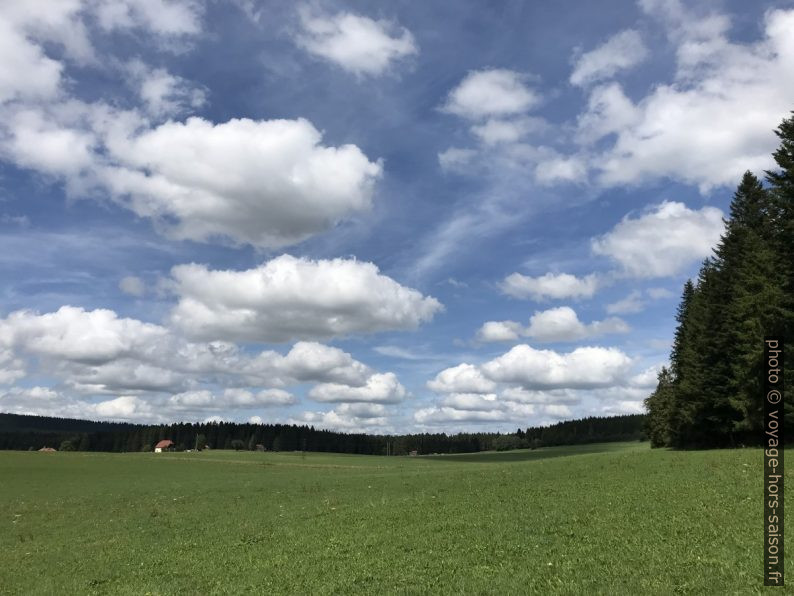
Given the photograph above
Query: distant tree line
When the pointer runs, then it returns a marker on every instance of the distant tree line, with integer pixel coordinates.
(33, 432)
(712, 394)
(595, 429)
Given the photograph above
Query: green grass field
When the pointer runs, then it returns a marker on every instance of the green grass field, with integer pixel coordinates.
(597, 519)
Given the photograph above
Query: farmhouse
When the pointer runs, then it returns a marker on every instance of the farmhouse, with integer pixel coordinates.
(163, 445)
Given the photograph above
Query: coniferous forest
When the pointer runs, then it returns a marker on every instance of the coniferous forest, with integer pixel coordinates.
(712, 393)
(34, 432)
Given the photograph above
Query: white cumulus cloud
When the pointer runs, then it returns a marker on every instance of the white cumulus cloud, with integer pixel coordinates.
(584, 367)
(231, 398)
(265, 183)
(663, 240)
(562, 324)
(379, 388)
(446, 414)
(355, 43)
(488, 93)
(348, 417)
(464, 378)
(553, 325)
(500, 331)
(550, 286)
(470, 401)
(290, 298)
(74, 334)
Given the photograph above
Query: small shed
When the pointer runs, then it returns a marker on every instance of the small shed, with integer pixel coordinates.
(412, 453)
(260, 447)
(164, 445)
(47, 449)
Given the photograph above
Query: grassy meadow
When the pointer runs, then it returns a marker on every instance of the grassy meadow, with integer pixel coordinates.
(599, 519)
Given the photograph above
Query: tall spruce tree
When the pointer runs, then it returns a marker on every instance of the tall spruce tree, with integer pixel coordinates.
(704, 415)
(781, 183)
(680, 332)
(755, 299)
(781, 186)
(683, 369)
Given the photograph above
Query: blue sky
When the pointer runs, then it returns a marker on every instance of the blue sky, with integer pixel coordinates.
(385, 218)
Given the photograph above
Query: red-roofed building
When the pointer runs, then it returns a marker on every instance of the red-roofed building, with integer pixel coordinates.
(164, 445)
